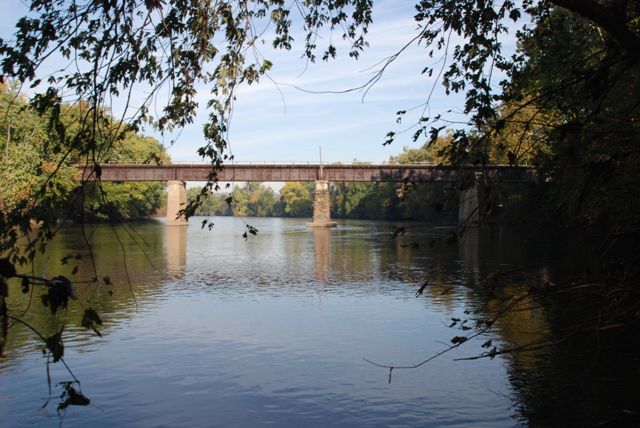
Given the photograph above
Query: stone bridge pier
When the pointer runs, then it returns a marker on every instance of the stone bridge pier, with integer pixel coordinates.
(322, 206)
(176, 201)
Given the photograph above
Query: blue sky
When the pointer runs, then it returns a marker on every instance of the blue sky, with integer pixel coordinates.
(276, 122)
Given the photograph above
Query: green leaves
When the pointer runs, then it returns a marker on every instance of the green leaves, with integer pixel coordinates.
(296, 199)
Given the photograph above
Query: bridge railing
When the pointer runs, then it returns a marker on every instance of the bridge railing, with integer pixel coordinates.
(272, 162)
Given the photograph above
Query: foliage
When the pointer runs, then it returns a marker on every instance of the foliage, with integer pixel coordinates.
(214, 204)
(521, 137)
(35, 180)
(131, 200)
(431, 152)
(252, 199)
(566, 101)
(40, 189)
(119, 47)
(296, 199)
(591, 153)
(264, 202)
(41, 184)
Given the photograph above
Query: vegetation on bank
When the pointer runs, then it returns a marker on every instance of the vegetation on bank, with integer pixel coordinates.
(35, 172)
(566, 101)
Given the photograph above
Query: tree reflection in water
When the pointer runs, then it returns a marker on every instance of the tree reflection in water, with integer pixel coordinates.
(569, 384)
(583, 378)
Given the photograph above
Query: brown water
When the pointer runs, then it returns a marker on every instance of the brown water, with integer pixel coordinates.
(274, 330)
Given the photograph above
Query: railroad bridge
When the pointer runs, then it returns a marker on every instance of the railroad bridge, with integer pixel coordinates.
(176, 176)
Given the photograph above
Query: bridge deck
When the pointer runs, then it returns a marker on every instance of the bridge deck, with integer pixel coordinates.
(339, 173)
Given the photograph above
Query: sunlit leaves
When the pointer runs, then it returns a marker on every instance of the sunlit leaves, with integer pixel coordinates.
(297, 199)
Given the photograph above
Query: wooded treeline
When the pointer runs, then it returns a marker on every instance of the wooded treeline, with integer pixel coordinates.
(566, 101)
(569, 106)
(35, 172)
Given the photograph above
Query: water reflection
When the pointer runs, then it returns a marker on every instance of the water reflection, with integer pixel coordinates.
(321, 251)
(579, 379)
(469, 247)
(232, 330)
(176, 250)
(115, 271)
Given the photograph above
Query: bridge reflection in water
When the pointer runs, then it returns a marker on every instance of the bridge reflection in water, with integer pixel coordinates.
(176, 250)
(321, 251)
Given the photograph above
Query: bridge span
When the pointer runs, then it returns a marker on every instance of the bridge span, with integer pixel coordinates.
(177, 174)
(312, 172)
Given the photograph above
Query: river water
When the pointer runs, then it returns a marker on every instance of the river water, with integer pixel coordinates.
(203, 328)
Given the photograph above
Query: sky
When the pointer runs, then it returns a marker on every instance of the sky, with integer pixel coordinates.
(274, 121)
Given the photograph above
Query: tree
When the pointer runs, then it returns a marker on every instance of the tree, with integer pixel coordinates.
(121, 47)
(265, 202)
(128, 201)
(591, 153)
(296, 199)
(39, 192)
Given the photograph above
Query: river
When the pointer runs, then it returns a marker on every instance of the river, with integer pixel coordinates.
(205, 328)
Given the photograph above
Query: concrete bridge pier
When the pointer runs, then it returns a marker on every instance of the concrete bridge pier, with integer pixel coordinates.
(470, 204)
(322, 206)
(176, 201)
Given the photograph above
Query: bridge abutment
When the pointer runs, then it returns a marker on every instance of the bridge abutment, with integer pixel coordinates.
(322, 206)
(176, 201)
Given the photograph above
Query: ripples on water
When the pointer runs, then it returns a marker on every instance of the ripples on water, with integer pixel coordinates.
(271, 331)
